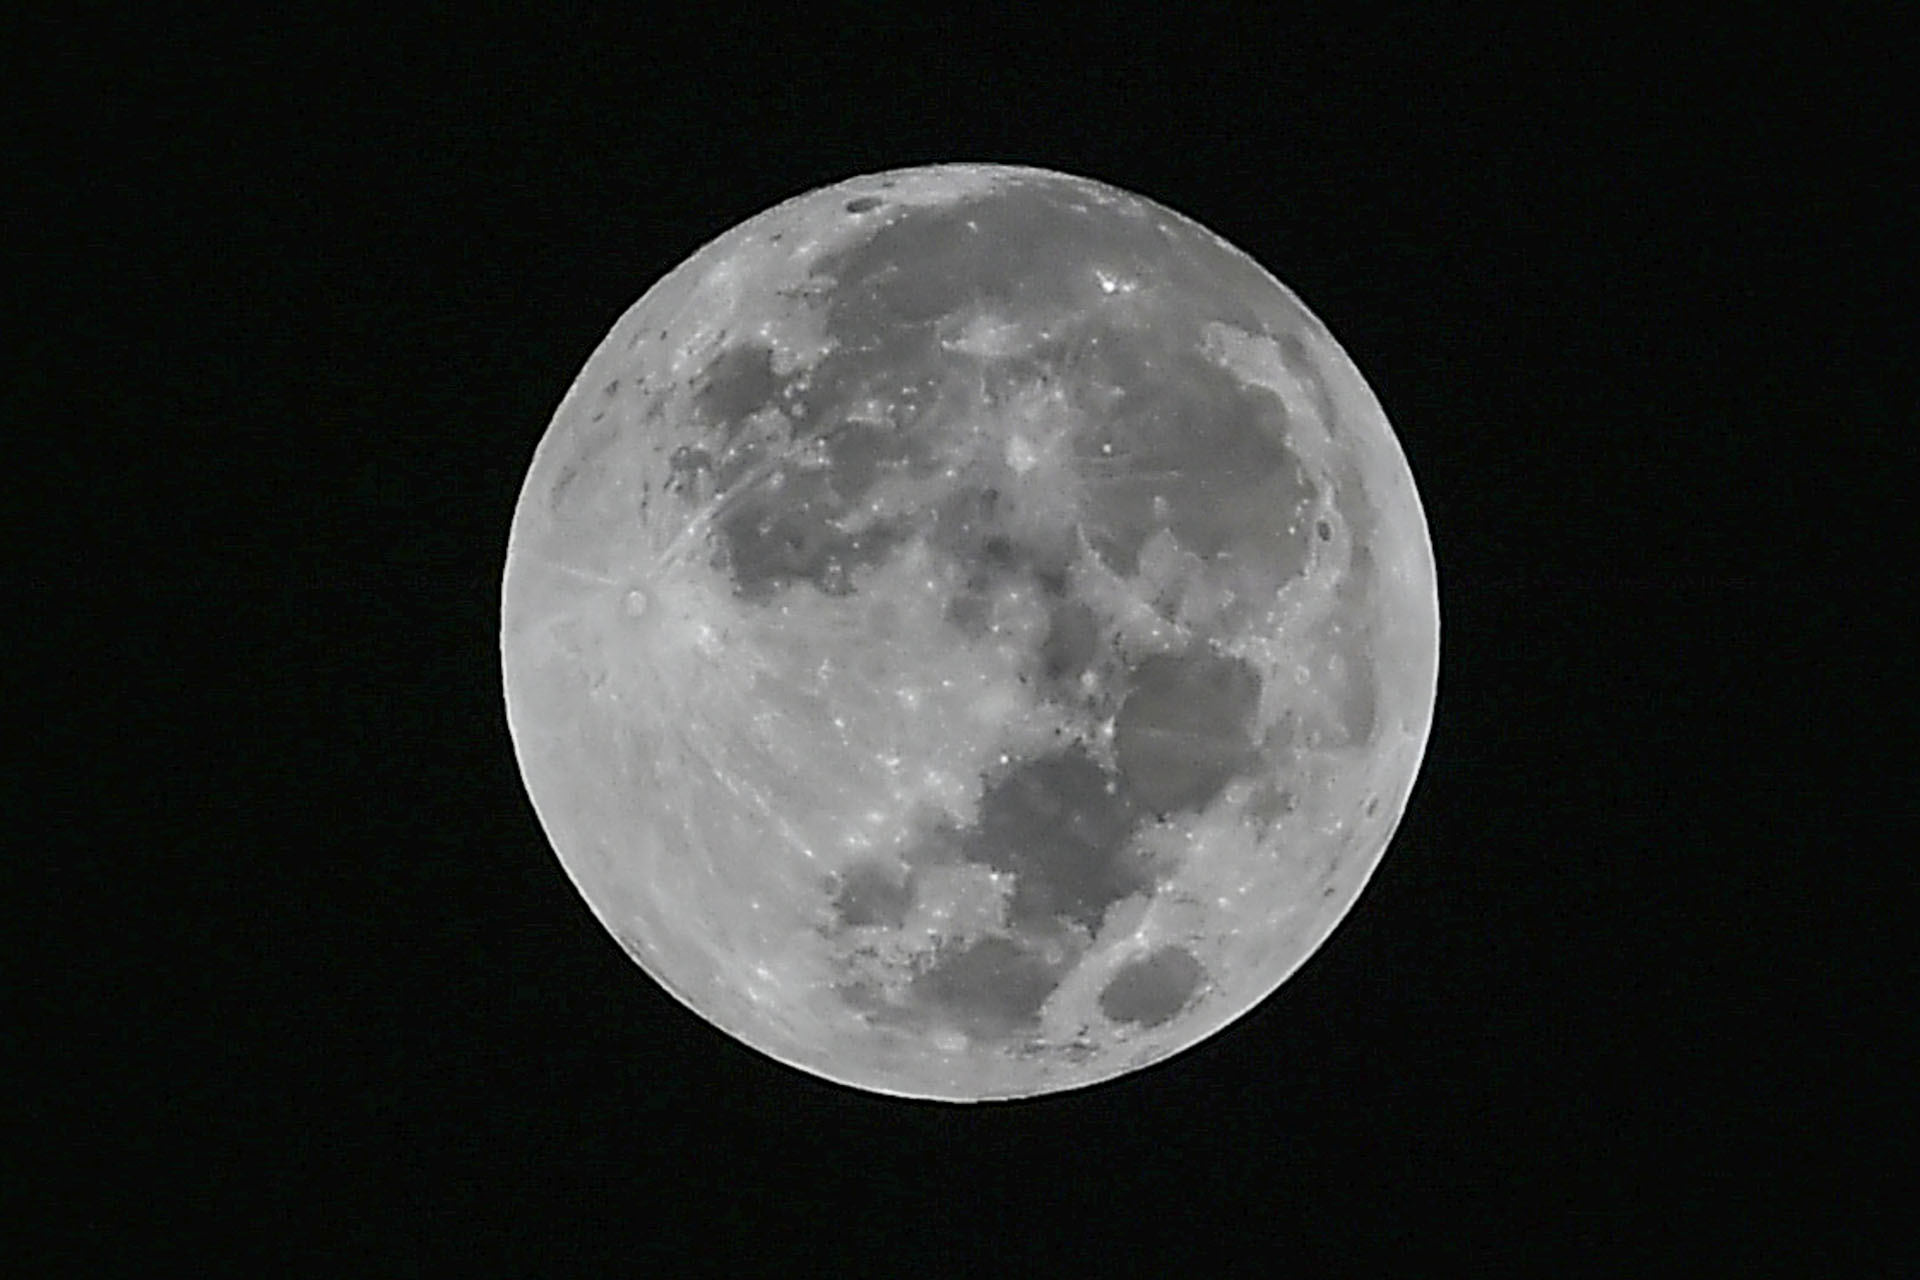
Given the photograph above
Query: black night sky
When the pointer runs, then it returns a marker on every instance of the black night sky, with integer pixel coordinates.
(315, 288)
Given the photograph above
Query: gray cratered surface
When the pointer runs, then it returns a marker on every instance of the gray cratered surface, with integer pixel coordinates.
(969, 632)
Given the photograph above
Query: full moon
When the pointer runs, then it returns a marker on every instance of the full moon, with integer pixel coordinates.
(969, 632)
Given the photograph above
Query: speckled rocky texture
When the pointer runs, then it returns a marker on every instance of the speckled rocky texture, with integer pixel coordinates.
(969, 632)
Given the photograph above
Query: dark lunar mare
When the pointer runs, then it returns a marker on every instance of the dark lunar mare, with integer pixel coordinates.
(1152, 989)
(1061, 826)
(1175, 430)
(1178, 442)
(1186, 728)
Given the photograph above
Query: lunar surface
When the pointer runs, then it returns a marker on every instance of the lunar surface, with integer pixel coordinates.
(969, 632)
